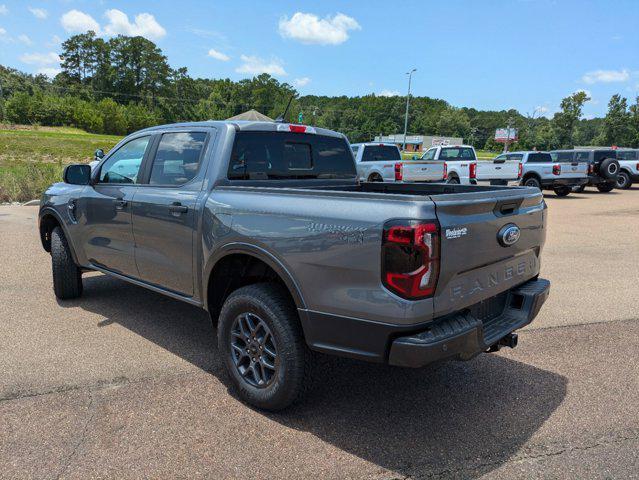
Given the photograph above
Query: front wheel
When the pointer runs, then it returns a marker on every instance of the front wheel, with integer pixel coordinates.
(67, 277)
(562, 191)
(260, 338)
(605, 187)
(623, 181)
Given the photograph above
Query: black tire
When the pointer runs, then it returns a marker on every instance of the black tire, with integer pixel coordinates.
(67, 277)
(624, 182)
(605, 187)
(291, 376)
(375, 177)
(532, 182)
(609, 169)
(562, 191)
(453, 180)
(579, 189)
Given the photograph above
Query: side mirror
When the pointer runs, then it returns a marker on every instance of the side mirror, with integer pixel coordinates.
(99, 153)
(77, 174)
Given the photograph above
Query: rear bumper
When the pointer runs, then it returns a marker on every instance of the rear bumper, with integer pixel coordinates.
(463, 335)
(564, 182)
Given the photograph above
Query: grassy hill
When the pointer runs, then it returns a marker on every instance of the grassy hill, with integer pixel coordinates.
(33, 157)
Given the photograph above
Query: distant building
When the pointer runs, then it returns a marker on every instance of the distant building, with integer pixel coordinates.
(418, 143)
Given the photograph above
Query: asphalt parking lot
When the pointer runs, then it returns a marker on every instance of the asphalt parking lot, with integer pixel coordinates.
(126, 383)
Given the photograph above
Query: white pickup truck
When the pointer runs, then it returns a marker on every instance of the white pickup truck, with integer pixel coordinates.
(461, 166)
(628, 168)
(382, 162)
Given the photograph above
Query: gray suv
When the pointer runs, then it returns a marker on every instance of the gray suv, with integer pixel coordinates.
(604, 167)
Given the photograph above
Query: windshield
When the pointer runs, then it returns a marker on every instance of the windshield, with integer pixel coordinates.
(283, 156)
(374, 153)
(457, 153)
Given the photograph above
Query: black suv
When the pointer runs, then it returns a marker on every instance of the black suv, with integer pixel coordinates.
(604, 167)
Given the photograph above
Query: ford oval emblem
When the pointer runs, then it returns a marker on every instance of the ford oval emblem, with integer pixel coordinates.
(508, 235)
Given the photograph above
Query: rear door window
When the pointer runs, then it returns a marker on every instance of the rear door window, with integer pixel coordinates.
(582, 156)
(177, 159)
(515, 156)
(562, 156)
(284, 156)
(603, 154)
(627, 155)
(380, 153)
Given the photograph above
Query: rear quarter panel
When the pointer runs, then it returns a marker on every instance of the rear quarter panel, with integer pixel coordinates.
(329, 243)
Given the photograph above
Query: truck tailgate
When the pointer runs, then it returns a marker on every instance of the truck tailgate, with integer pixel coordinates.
(416, 171)
(476, 261)
(489, 170)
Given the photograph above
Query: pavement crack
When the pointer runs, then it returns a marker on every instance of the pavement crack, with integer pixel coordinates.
(81, 437)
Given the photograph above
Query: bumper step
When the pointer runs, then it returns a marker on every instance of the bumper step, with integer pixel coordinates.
(463, 335)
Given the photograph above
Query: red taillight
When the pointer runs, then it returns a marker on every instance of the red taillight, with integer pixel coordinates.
(297, 128)
(410, 258)
(556, 169)
(520, 172)
(592, 169)
(473, 170)
(637, 167)
(399, 172)
(445, 170)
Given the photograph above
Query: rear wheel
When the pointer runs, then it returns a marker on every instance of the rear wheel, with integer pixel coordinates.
(532, 182)
(67, 277)
(623, 181)
(375, 177)
(260, 338)
(453, 181)
(562, 191)
(605, 187)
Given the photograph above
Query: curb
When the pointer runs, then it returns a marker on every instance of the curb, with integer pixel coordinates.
(31, 203)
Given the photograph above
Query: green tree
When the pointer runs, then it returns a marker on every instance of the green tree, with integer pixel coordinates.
(566, 120)
(617, 129)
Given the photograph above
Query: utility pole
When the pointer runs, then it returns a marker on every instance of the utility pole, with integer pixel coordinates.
(410, 75)
(507, 142)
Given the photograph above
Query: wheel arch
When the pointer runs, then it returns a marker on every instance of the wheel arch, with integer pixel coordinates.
(254, 260)
(48, 220)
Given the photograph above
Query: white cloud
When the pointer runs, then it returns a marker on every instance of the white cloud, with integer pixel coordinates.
(388, 93)
(54, 42)
(256, 65)
(25, 39)
(49, 71)
(606, 76)
(2, 31)
(3, 9)
(75, 21)
(145, 25)
(41, 59)
(218, 55)
(309, 28)
(302, 82)
(40, 13)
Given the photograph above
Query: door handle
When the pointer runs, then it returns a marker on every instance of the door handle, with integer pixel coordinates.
(120, 204)
(178, 208)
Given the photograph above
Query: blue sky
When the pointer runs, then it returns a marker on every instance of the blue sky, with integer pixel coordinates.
(523, 54)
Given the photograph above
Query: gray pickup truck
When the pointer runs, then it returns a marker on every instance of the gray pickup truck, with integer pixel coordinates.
(265, 226)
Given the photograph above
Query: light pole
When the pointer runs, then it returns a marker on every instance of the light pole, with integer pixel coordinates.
(410, 75)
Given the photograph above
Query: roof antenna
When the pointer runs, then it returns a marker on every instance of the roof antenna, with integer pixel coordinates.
(280, 119)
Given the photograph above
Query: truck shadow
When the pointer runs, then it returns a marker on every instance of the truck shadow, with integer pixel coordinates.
(453, 419)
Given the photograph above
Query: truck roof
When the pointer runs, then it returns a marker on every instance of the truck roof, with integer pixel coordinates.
(244, 125)
(373, 144)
